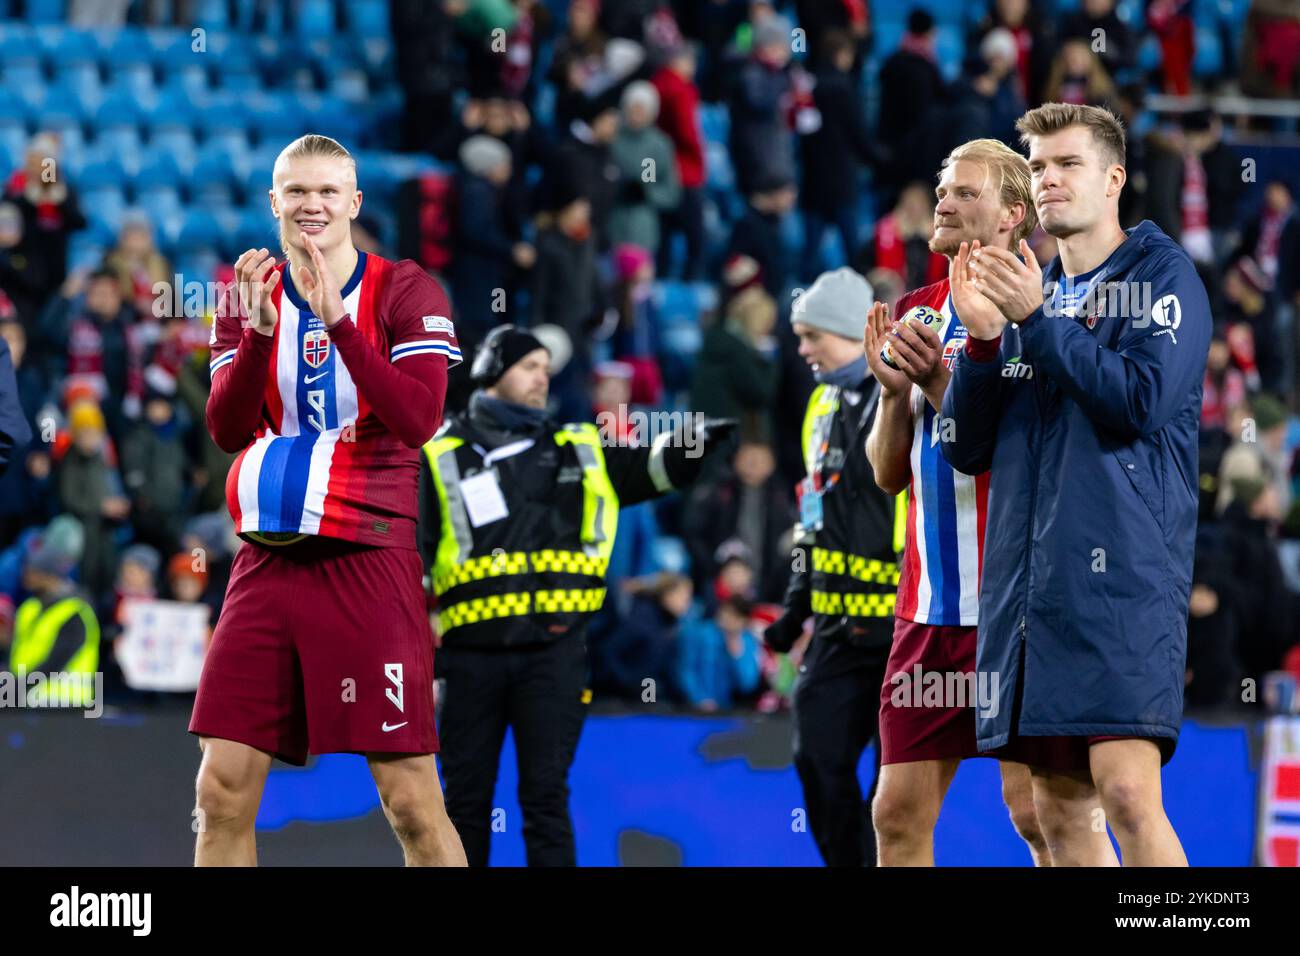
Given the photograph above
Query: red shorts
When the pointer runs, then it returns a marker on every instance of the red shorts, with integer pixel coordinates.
(322, 647)
(911, 729)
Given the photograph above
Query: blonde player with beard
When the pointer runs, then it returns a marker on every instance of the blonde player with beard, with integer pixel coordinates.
(983, 195)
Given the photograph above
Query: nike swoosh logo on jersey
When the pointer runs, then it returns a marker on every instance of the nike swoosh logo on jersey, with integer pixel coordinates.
(386, 729)
(311, 378)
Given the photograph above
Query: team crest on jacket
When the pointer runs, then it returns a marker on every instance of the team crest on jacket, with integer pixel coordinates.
(315, 347)
(1092, 321)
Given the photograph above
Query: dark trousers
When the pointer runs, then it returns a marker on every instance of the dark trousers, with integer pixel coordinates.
(538, 693)
(815, 224)
(688, 219)
(836, 714)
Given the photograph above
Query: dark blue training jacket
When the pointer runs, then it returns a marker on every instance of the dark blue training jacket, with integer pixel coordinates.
(14, 430)
(1091, 435)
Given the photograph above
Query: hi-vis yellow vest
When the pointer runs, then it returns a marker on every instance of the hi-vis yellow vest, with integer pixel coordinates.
(35, 632)
(476, 584)
(845, 583)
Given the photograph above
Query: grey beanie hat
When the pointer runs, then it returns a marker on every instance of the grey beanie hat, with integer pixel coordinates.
(481, 154)
(838, 302)
(59, 547)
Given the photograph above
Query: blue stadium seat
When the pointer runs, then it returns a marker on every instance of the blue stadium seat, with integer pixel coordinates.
(368, 18)
(160, 205)
(1149, 55)
(118, 109)
(124, 45)
(1208, 60)
(350, 86)
(84, 251)
(257, 229)
(173, 108)
(136, 77)
(167, 44)
(45, 11)
(715, 122)
(199, 229)
(13, 146)
(160, 172)
(718, 169)
(20, 47)
(83, 78)
(212, 14)
(106, 203)
(176, 142)
(212, 182)
(197, 266)
(13, 112)
(62, 45)
(119, 140)
(274, 121)
(256, 181)
(100, 174)
(315, 18)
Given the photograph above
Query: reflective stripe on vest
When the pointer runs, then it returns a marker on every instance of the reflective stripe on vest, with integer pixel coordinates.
(852, 605)
(453, 566)
(35, 633)
(868, 570)
(579, 600)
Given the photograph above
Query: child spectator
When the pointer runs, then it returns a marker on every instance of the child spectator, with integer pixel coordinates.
(719, 659)
(91, 490)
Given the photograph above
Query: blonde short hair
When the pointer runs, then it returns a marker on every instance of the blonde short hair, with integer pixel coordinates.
(1106, 128)
(314, 144)
(1010, 172)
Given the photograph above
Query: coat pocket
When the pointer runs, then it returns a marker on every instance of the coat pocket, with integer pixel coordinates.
(1144, 483)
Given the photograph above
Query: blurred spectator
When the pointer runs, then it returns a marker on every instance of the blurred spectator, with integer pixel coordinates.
(821, 19)
(679, 101)
(630, 327)
(1033, 49)
(584, 163)
(1194, 183)
(761, 139)
(911, 92)
(988, 100)
(1270, 54)
(86, 342)
(185, 582)
(1078, 76)
(578, 59)
(644, 642)
(488, 249)
(137, 578)
(718, 660)
(25, 497)
(566, 291)
(91, 491)
(833, 148)
(49, 209)
(758, 235)
(1171, 21)
(1224, 388)
(645, 160)
(22, 277)
(1272, 241)
(736, 370)
(1249, 322)
(902, 240)
(154, 473)
(424, 44)
(1260, 455)
(1116, 44)
(139, 266)
(55, 604)
(627, 18)
(749, 504)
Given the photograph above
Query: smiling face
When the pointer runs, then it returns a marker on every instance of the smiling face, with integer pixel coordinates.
(825, 351)
(317, 195)
(1075, 183)
(969, 207)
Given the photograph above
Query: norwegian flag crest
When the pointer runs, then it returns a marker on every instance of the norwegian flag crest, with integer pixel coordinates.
(315, 347)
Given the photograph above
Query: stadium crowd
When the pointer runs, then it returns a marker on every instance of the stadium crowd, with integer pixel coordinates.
(649, 185)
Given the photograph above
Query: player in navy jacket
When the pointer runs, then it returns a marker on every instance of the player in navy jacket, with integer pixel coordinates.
(1086, 409)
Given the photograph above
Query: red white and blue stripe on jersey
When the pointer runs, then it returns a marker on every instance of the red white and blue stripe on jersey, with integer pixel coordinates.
(946, 511)
(305, 471)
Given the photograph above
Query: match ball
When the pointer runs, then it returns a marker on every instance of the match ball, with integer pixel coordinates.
(921, 313)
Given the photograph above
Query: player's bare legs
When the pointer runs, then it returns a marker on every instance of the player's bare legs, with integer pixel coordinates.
(1018, 794)
(1127, 774)
(411, 795)
(1071, 819)
(906, 809)
(228, 791)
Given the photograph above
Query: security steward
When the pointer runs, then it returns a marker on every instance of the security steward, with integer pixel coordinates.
(517, 521)
(844, 572)
(56, 633)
